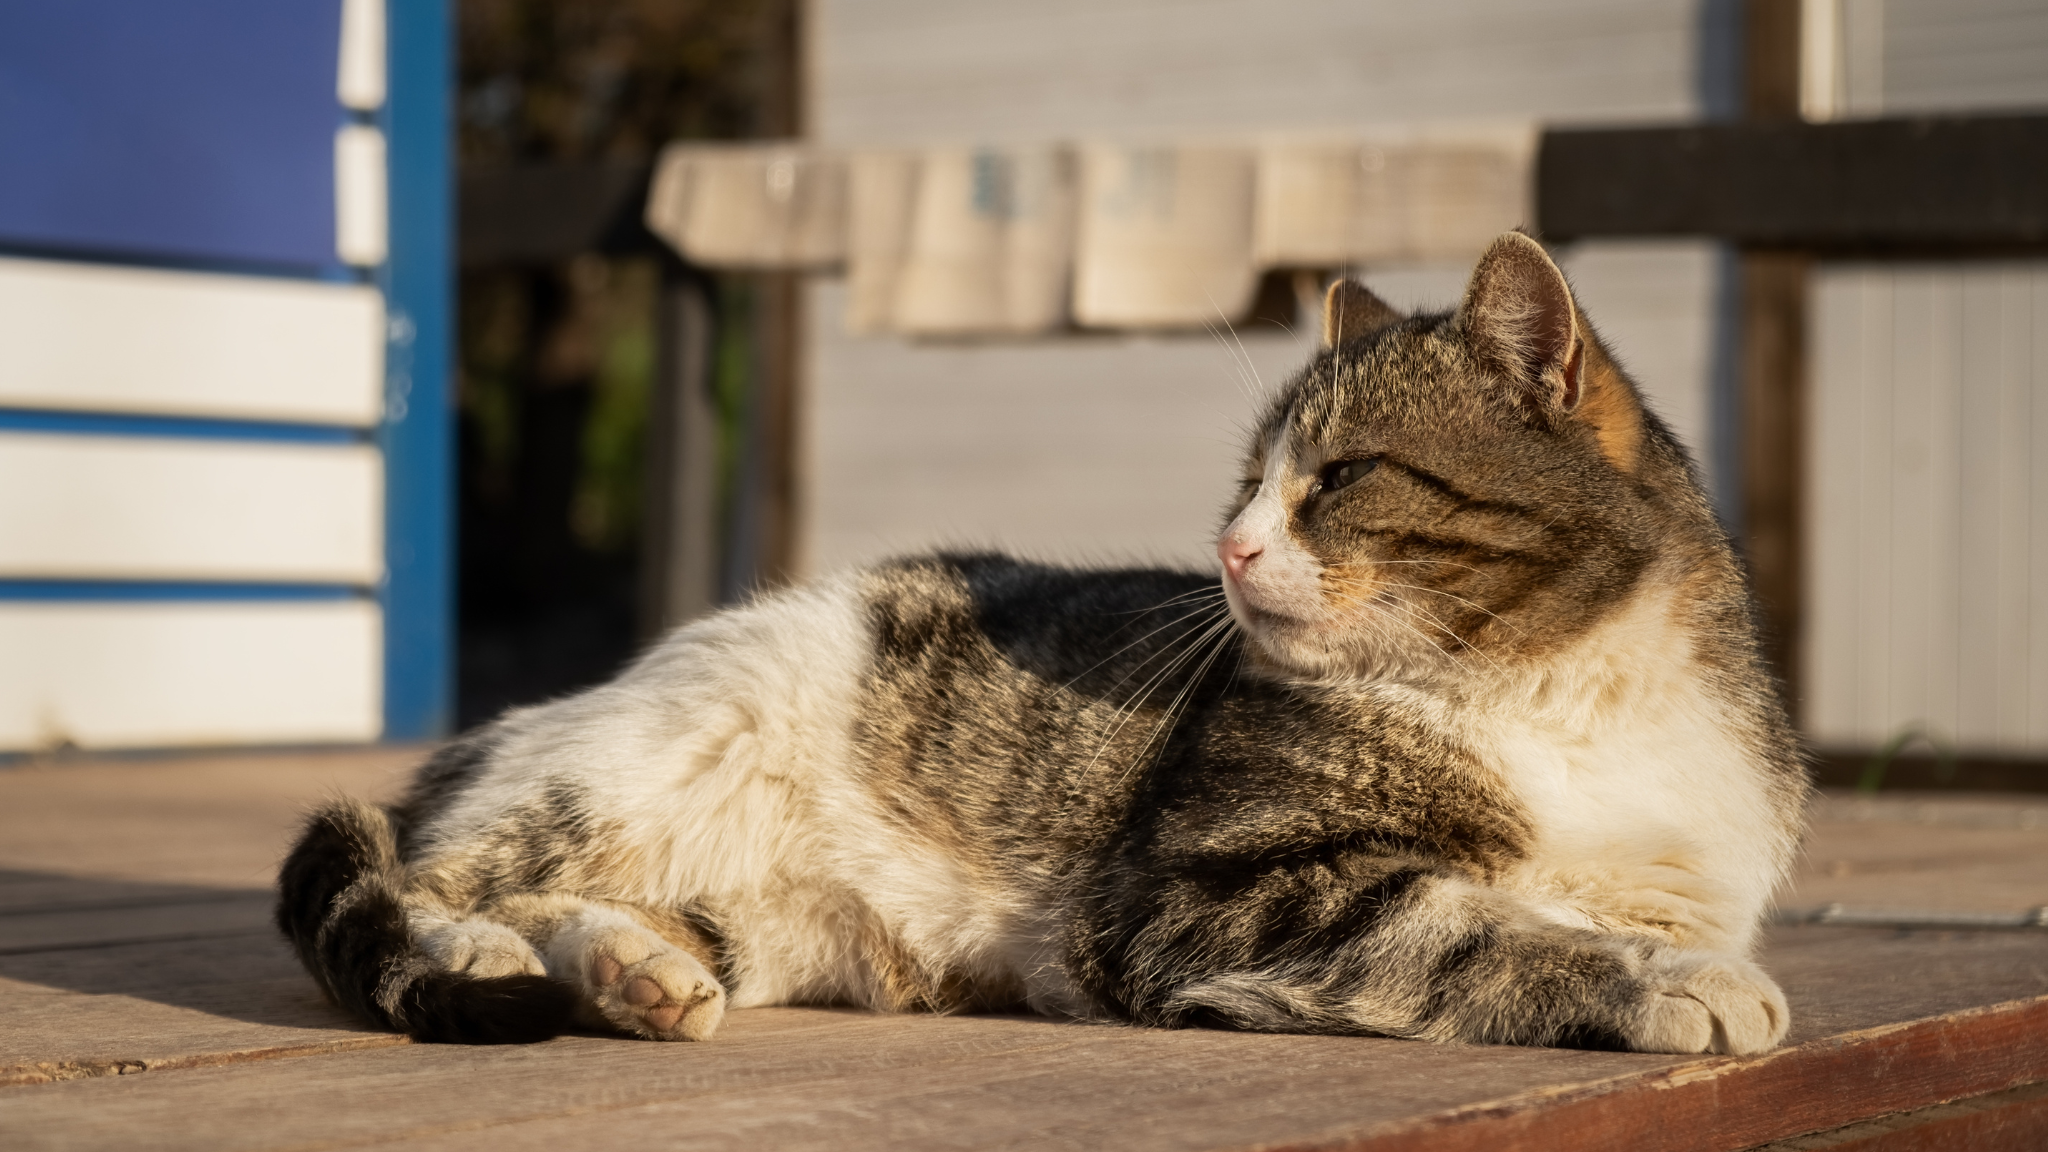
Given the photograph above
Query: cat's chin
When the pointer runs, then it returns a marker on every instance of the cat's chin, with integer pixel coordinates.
(1290, 648)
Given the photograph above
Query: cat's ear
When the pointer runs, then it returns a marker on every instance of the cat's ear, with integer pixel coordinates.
(1520, 319)
(1350, 310)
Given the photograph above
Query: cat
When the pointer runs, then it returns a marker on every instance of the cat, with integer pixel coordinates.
(1470, 742)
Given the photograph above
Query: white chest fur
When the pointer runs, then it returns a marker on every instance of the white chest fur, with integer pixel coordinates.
(1648, 810)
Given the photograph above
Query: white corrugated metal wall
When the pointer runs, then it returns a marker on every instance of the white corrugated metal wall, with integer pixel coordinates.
(1927, 515)
(1927, 597)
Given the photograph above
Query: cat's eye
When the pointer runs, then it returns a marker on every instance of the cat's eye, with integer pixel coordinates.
(1344, 473)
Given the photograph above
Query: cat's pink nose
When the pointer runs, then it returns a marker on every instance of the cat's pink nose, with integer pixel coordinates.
(1237, 554)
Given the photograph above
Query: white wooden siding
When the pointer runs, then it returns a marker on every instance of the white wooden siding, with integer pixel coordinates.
(1927, 549)
(95, 338)
(1113, 449)
(158, 508)
(947, 71)
(1964, 55)
(100, 675)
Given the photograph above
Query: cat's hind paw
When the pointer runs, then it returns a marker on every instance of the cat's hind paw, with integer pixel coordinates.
(646, 986)
(665, 996)
(1709, 1004)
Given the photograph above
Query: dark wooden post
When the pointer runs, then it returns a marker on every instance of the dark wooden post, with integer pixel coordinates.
(1773, 404)
(1771, 359)
(681, 552)
(768, 513)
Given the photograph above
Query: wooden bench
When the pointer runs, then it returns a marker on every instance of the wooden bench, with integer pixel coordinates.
(145, 1001)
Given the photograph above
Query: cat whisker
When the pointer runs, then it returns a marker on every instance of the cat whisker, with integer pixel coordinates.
(1460, 599)
(1244, 383)
(1174, 707)
(1439, 625)
(1197, 594)
(1130, 708)
(1199, 616)
(1242, 352)
(1354, 584)
(1179, 649)
(1195, 622)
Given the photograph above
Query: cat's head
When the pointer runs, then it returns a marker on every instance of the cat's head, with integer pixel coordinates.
(1451, 492)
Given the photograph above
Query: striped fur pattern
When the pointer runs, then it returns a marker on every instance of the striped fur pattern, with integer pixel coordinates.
(1471, 742)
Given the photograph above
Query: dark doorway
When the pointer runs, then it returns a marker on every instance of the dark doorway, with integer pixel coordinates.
(563, 105)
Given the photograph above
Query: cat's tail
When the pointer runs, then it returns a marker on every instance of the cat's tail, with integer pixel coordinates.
(338, 903)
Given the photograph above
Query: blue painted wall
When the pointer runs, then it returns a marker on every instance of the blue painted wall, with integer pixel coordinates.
(170, 129)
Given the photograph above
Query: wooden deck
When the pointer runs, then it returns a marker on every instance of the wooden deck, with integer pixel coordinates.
(146, 1003)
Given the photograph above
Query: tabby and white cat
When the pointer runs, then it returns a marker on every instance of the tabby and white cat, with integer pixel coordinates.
(1471, 742)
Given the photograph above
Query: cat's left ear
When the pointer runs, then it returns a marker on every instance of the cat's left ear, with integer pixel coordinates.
(1351, 310)
(1519, 318)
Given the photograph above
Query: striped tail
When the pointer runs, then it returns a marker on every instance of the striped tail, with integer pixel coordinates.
(338, 904)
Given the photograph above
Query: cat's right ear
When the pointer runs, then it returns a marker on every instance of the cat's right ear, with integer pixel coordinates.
(1519, 318)
(1350, 310)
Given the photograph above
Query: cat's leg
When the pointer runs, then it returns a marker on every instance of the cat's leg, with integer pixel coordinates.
(634, 969)
(474, 945)
(1422, 954)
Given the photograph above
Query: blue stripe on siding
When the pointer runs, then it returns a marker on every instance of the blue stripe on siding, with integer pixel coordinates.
(170, 590)
(419, 520)
(196, 428)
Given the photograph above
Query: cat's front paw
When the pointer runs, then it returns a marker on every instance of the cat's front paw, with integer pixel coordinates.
(647, 986)
(1699, 1003)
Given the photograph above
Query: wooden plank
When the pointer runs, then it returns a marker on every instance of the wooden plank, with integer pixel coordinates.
(1021, 446)
(1738, 1103)
(165, 508)
(2015, 403)
(796, 1078)
(230, 914)
(2011, 1121)
(115, 1011)
(221, 820)
(2037, 533)
(803, 1078)
(1869, 186)
(22, 891)
(680, 530)
(103, 339)
(127, 674)
(209, 1018)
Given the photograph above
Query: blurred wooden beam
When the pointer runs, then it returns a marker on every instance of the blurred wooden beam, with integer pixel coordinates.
(1947, 184)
